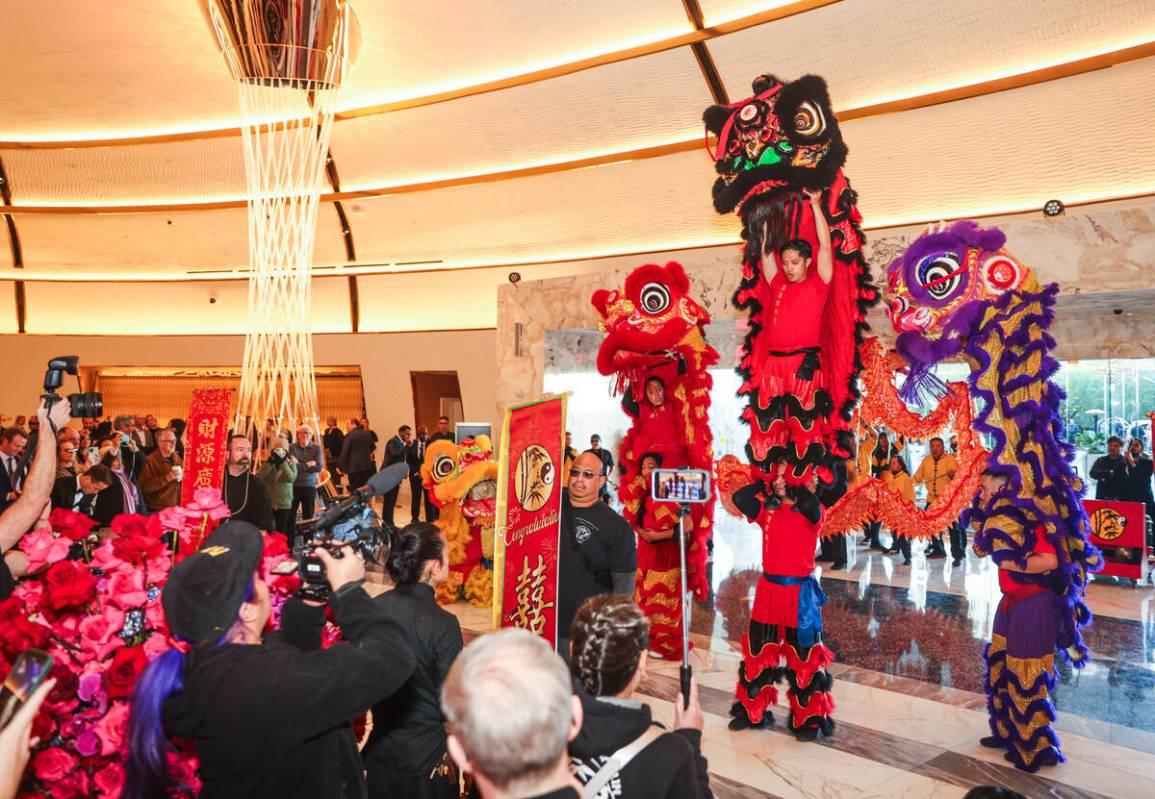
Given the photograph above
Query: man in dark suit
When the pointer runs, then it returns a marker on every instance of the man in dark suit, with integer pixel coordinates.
(414, 457)
(13, 442)
(79, 493)
(356, 458)
(332, 440)
(396, 451)
(443, 432)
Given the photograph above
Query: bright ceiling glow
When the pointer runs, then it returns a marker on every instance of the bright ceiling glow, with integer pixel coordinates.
(1071, 199)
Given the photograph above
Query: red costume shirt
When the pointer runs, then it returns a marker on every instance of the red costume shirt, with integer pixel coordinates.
(794, 311)
(788, 543)
(1013, 588)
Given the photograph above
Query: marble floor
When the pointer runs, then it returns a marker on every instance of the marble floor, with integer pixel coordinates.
(910, 708)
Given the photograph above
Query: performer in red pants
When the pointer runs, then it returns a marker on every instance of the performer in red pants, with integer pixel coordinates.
(785, 636)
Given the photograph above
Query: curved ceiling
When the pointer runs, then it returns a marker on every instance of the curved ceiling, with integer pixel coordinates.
(522, 131)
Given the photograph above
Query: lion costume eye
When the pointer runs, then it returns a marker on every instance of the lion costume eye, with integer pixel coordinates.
(654, 298)
(808, 120)
(443, 467)
(940, 275)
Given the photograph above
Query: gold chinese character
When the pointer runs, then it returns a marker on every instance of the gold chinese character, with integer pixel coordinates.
(208, 427)
(204, 478)
(206, 453)
(531, 604)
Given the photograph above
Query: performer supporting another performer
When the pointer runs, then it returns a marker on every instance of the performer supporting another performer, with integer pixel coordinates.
(1020, 658)
(658, 591)
(786, 620)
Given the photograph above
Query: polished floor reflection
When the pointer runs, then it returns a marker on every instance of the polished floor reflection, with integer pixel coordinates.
(910, 708)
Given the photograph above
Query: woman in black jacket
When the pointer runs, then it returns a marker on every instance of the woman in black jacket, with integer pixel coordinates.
(269, 716)
(406, 753)
(608, 661)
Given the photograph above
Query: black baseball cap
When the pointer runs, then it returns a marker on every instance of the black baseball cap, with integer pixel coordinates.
(205, 591)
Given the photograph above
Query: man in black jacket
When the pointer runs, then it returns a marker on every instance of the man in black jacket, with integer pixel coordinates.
(396, 451)
(414, 457)
(1111, 472)
(1139, 471)
(271, 716)
(356, 459)
(79, 493)
(443, 432)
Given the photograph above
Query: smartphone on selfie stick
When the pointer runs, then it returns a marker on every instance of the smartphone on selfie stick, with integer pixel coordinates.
(685, 487)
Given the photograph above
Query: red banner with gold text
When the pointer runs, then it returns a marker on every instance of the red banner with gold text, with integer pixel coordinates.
(206, 441)
(528, 521)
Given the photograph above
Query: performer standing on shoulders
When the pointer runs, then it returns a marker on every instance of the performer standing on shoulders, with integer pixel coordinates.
(1021, 655)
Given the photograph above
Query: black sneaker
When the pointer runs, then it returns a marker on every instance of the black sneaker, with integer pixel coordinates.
(991, 742)
(956, 562)
(906, 562)
(936, 556)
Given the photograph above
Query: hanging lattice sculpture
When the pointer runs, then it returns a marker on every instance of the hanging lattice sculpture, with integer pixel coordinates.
(288, 58)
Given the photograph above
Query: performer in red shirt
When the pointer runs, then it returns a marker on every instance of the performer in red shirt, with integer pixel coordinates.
(786, 374)
(658, 592)
(658, 424)
(785, 636)
(1021, 655)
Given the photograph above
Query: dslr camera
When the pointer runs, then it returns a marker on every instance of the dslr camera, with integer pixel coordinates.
(357, 530)
(89, 404)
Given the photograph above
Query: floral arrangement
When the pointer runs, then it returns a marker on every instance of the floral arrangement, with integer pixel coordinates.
(95, 607)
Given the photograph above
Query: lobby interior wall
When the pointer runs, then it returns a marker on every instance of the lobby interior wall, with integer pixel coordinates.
(385, 360)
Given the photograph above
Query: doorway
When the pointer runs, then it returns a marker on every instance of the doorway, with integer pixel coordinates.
(436, 394)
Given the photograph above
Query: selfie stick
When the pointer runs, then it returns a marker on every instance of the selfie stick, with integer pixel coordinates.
(685, 671)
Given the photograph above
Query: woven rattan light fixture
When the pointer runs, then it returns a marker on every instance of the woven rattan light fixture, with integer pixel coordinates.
(288, 58)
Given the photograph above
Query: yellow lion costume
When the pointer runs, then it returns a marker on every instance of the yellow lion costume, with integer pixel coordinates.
(461, 480)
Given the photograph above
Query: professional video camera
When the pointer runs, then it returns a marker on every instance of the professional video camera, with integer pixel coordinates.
(88, 404)
(350, 526)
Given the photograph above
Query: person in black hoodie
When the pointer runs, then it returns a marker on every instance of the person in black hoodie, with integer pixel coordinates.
(269, 716)
(406, 753)
(608, 660)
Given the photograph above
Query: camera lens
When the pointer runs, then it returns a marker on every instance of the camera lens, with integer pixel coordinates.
(89, 405)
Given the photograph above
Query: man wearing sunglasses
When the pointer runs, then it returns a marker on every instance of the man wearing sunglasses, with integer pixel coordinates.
(598, 552)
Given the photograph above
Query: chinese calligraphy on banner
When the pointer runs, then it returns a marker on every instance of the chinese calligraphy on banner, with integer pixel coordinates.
(206, 443)
(529, 487)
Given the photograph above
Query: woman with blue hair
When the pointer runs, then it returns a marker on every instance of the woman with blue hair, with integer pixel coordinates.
(269, 715)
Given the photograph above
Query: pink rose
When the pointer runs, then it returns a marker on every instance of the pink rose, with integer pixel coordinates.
(105, 559)
(87, 743)
(90, 685)
(30, 592)
(126, 589)
(50, 765)
(109, 780)
(155, 646)
(113, 729)
(208, 500)
(98, 633)
(43, 548)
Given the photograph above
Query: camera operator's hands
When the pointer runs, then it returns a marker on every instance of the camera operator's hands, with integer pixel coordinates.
(344, 570)
(58, 416)
(689, 718)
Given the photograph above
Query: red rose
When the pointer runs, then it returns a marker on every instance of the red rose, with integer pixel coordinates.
(73, 786)
(67, 584)
(17, 632)
(110, 779)
(70, 524)
(66, 682)
(121, 677)
(137, 549)
(51, 765)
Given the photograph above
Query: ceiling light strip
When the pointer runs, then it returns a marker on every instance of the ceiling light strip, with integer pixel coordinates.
(523, 79)
(938, 97)
(423, 266)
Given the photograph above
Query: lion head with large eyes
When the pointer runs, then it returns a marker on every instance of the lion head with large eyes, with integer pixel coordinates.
(939, 286)
(648, 322)
(784, 137)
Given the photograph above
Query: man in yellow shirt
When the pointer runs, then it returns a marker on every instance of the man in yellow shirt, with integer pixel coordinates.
(935, 472)
(898, 480)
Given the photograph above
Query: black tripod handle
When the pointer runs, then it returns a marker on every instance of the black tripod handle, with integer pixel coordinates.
(685, 672)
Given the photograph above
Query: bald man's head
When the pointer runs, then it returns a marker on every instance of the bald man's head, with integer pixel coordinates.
(586, 478)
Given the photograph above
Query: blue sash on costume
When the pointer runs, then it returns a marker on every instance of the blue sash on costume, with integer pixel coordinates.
(811, 598)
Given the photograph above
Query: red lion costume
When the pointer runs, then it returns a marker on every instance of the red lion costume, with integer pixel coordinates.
(799, 365)
(654, 330)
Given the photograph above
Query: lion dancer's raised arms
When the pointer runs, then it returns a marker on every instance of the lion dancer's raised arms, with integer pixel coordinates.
(656, 348)
(806, 288)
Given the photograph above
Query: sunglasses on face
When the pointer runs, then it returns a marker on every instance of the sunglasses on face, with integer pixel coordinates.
(586, 473)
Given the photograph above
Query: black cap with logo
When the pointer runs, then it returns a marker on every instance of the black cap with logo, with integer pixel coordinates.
(205, 591)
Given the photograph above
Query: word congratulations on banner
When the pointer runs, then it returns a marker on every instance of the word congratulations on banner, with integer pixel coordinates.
(528, 524)
(206, 445)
